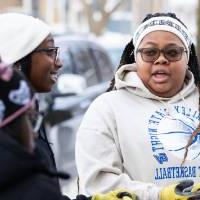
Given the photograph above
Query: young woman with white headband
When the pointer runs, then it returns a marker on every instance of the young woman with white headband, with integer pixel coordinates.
(143, 134)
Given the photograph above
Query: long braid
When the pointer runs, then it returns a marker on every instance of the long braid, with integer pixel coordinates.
(194, 65)
(194, 68)
(126, 58)
(128, 54)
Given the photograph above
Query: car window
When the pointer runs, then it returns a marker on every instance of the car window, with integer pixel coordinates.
(87, 59)
(115, 55)
(77, 59)
(103, 64)
(85, 65)
(65, 57)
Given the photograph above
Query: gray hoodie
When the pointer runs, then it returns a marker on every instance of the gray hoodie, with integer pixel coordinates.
(130, 138)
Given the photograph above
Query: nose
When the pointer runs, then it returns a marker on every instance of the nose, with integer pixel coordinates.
(58, 63)
(161, 59)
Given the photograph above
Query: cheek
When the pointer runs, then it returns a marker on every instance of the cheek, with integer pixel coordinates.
(39, 70)
(179, 73)
(38, 76)
(143, 70)
(142, 67)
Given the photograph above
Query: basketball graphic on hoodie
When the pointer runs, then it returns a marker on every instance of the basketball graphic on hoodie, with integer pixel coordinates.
(174, 133)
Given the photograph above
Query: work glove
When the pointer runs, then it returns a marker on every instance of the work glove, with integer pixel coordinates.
(119, 194)
(185, 190)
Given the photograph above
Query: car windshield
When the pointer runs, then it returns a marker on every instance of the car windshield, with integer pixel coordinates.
(85, 59)
(115, 55)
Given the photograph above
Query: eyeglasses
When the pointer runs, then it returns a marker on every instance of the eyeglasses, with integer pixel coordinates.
(172, 54)
(36, 119)
(52, 52)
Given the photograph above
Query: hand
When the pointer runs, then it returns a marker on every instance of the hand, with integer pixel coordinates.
(185, 190)
(119, 194)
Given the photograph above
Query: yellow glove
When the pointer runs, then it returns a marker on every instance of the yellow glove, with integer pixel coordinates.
(196, 187)
(185, 190)
(119, 194)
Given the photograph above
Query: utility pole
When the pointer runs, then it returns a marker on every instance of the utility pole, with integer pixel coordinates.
(35, 8)
(198, 29)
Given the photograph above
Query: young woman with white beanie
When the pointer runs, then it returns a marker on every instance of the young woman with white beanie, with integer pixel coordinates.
(27, 42)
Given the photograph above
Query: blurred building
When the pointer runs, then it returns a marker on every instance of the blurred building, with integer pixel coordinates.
(68, 15)
(51, 11)
(141, 7)
(187, 12)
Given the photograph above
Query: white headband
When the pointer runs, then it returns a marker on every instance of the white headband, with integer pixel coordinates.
(163, 24)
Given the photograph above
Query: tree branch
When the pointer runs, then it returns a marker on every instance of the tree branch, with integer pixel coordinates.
(116, 6)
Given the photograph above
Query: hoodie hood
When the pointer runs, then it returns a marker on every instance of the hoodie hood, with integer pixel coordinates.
(126, 77)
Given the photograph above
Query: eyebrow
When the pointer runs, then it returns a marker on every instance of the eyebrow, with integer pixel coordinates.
(169, 44)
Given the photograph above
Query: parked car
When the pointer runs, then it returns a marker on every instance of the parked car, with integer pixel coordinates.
(86, 72)
(114, 44)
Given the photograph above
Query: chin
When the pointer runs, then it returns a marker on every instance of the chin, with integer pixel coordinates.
(165, 94)
(47, 90)
(44, 89)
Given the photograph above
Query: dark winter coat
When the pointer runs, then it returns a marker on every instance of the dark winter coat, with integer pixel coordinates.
(44, 147)
(24, 176)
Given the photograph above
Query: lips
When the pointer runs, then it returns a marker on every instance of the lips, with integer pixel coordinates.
(54, 76)
(160, 76)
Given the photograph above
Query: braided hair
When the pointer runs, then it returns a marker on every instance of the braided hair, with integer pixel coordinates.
(128, 58)
(128, 53)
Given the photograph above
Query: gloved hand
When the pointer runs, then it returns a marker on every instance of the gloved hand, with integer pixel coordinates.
(185, 190)
(119, 194)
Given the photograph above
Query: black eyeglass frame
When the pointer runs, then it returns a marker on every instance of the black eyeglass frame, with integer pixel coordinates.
(56, 49)
(141, 50)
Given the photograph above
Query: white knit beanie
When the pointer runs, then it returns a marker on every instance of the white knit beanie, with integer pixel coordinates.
(20, 34)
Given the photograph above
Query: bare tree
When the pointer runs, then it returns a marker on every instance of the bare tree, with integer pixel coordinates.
(98, 15)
